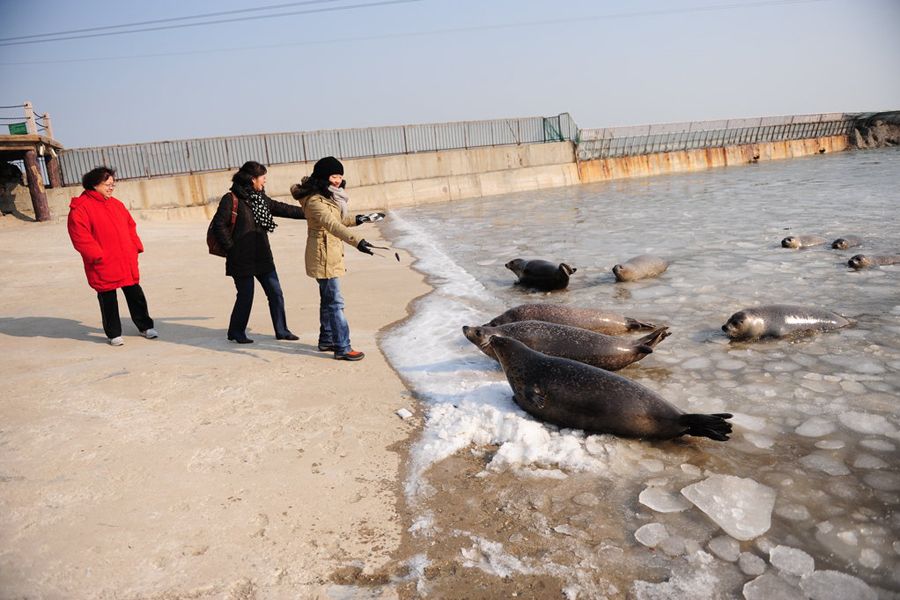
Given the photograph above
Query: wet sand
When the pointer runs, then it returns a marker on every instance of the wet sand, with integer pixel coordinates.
(189, 466)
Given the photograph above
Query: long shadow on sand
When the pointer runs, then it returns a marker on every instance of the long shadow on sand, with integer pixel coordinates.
(170, 331)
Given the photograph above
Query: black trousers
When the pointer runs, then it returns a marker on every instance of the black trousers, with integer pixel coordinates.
(137, 306)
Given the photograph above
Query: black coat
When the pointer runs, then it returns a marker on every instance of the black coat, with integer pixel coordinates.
(248, 247)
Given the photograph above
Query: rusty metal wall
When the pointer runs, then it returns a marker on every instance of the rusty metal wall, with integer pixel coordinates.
(213, 154)
(668, 137)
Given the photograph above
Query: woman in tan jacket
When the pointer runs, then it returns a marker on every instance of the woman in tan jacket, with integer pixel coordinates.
(324, 203)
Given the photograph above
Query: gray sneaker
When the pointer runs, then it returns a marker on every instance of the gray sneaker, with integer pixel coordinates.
(117, 341)
(150, 334)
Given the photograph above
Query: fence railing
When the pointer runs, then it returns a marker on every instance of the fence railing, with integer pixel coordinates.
(221, 153)
(669, 137)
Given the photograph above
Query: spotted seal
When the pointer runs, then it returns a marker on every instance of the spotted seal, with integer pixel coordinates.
(848, 241)
(601, 321)
(541, 274)
(568, 393)
(865, 261)
(780, 320)
(591, 348)
(640, 267)
(802, 241)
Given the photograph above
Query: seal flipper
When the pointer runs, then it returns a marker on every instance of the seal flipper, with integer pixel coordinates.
(635, 325)
(713, 426)
(532, 397)
(653, 338)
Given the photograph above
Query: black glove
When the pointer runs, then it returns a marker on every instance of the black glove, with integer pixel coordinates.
(369, 218)
(364, 246)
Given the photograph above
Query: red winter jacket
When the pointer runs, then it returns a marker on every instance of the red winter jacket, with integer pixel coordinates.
(105, 235)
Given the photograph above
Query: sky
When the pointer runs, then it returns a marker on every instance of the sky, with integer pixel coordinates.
(368, 63)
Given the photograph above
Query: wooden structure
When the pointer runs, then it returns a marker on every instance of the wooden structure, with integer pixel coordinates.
(27, 148)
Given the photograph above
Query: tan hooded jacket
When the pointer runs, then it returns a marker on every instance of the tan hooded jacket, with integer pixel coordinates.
(326, 235)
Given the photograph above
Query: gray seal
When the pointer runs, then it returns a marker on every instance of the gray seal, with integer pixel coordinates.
(588, 347)
(848, 241)
(865, 261)
(780, 320)
(541, 274)
(802, 241)
(601, 321)
(568, 393)
(640, 267)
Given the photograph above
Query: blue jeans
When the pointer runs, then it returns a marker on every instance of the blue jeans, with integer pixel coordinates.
(240, 314)
(333, 328)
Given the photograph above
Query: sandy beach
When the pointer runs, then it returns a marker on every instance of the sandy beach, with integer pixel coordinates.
(189, 466)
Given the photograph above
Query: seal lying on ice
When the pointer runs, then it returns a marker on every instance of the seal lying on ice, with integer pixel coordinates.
(601, 321)
(780, 320)
(541, 274)
(568, 393)
(640, 267)
(589, 347)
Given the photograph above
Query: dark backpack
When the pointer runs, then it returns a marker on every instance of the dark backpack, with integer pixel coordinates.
(212, 241)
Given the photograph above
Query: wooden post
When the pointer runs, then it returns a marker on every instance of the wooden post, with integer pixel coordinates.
(30, 125)
(48, 126)
(36, 187)
(52, 162)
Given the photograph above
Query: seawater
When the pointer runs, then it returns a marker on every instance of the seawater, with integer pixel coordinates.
(816, 419)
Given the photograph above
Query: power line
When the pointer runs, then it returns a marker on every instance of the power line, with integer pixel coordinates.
(214, 22)
(474, 28)
(170, 20)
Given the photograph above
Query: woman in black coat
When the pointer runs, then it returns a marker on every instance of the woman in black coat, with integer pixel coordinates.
(249, 253)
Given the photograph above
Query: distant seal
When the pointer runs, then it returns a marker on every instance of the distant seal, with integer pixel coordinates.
(848, 241)
(640, 267)
(588, 347)
(568, 393)
(541, 274)
(601, 321)
(802, 241)
(780, 320)
(865, 261)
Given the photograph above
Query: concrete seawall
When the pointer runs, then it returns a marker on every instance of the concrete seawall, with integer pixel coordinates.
(409, 179)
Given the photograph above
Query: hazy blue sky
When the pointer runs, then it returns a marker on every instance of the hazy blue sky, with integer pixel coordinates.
(606, 63)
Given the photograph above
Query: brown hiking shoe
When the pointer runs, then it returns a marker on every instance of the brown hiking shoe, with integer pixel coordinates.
(351, 355)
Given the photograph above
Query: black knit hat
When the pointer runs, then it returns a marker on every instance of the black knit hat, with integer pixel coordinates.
(326, 167)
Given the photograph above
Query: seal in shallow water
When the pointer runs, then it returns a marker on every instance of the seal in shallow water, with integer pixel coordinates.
(589, 347)
(848, 241)
(601, 321)
(780, 320)
(802, 241)
(640, 267)
(541, 274)
(568, 393)
(864, 261)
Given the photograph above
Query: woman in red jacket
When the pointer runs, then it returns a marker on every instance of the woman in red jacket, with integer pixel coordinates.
(105, 235)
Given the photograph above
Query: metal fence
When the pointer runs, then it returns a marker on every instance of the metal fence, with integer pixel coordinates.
(647, 139)
(214, 154)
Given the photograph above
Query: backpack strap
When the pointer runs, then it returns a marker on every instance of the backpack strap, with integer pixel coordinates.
(234, 203)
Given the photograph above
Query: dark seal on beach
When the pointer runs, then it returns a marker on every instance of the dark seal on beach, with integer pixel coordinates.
(568, 393)
(601, 321)
(588, 347)
(780, 320)
(640, 267)
(864, 261)
(541, 274)
(802, 241)
(848, 241)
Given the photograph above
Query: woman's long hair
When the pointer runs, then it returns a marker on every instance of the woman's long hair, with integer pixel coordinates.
(249, 171)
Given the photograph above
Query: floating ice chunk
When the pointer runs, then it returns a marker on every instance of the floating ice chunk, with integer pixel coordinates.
(856, 363)
(760, 441)
(793, 512)
(726, 548)
(748, 422)
(696, 580)
(886, 482)
(869, 558)
(878, 444)
(672, 545)
(849, 537)
(866, 423)
(698, 362)
(751, 564)
(834, 585)
(830, 444)
(690, 469)
(867, 461)
(742, 507)
(853, 387)
(662, 500)
(771, 587)
(792, 561)
(653, 465)
(651, 534)
(730, 364)
(824, 463)
(816, 427)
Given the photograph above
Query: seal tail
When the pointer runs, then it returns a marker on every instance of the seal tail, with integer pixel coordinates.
(649, 341)
(713, 426)
(635, 325)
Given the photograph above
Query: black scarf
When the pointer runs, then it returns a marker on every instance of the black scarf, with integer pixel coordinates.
(259, 204)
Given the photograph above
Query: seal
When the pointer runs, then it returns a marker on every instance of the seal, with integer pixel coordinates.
(640, 267)
(802, 241)
(541, 274)
(588, 347)
(864, 261)
(849, 241)
(568, 393)
(780, 320)
(601, 321)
